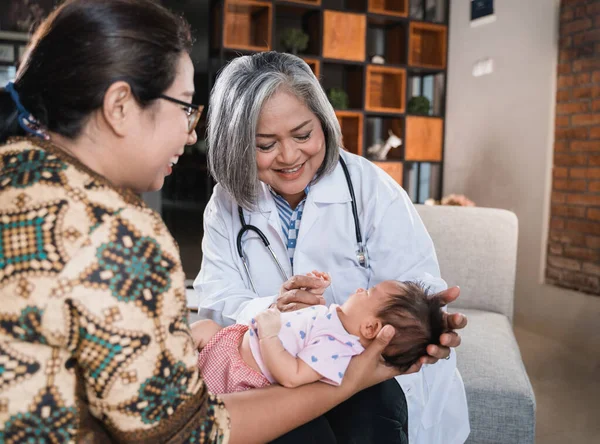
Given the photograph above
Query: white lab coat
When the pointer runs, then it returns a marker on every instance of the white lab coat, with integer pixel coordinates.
(398, 245)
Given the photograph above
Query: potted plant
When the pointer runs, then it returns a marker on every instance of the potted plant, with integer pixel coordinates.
(338, 98)
(419, 105)
(294, 40)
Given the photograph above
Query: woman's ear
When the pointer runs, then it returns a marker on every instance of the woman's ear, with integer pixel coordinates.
(119, 107)
(370, 327)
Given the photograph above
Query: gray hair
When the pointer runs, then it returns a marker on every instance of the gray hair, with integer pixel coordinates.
(237, 98)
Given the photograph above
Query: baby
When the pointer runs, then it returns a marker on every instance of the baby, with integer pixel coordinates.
(317, 343)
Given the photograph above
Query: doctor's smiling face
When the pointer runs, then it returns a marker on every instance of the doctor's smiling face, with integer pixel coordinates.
(290, 145)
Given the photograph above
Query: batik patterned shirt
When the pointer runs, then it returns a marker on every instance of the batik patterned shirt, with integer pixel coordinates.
(94, 343)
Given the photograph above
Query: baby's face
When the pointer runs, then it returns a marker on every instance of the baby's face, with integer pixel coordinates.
(363, 302)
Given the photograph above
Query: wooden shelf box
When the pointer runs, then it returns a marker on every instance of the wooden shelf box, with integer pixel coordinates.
(397, 8)
(424, 137)
(427, 45)
(306, 2)
(351, 123)
(394, 169)
(247, 25)
(314, 64)
(386, 89)
(344, 35)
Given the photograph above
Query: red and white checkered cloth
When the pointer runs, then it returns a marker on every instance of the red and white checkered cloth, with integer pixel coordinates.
(222, 366)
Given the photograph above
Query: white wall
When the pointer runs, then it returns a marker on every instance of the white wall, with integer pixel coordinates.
(499, 144)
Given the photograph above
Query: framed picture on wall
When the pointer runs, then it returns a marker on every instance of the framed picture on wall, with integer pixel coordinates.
(482, 12)
(23, 15)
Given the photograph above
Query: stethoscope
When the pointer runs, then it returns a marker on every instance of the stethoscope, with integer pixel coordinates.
(361, 252)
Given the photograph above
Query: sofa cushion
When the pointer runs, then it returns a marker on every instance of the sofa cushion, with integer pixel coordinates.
(500, 397)
(477, 249)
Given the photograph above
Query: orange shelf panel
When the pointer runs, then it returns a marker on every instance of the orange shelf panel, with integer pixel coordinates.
(351, 123)
(344, 35)
(394, 169)
(424, 136)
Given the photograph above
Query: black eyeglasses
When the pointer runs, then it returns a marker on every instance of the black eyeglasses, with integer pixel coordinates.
(192, 111)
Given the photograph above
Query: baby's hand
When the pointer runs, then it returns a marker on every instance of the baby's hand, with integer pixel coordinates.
(268, 323)
(324, 277)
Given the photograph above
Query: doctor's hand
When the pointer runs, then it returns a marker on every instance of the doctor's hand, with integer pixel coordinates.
(450, 338)
(301, 292)
(369, 368)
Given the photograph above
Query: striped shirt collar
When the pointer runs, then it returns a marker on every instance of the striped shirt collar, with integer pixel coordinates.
(290, 220)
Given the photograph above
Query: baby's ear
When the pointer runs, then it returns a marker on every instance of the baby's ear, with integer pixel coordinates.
(370, 327)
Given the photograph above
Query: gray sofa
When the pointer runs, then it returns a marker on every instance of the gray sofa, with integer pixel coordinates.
(477, 250)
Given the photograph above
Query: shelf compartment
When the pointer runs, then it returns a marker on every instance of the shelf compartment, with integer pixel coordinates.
(386, 89)
(301, 2)
(346, 77)
(394, 169)
(435, 11)
(247, 25)
(346, 5)
(387, 39)
(426, 85)
(298, 16)
(422, 181)
(344, 35)
(397, 8)
(314, 64)
(424, 137)
(351, 123)
(427, 45)
(378, 131)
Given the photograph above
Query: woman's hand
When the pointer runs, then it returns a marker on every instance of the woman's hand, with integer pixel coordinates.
(301, 292)
(369, 368)
(447, 340)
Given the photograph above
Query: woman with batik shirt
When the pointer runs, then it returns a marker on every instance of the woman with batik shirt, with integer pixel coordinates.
(94, 345)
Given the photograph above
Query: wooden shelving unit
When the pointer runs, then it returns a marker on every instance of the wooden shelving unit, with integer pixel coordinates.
(247, 25)
(386, 89)
(428, 45)
(307, 2)
(344, 35)
(424, 139)
(344, 38)
(387, 38)
(397, 8)
(351, 123)
(315, 65)
(394, 169)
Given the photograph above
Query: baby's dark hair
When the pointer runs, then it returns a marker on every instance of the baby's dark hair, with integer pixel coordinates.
(418, 320)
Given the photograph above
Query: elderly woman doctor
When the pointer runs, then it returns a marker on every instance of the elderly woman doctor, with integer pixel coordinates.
(289, 201)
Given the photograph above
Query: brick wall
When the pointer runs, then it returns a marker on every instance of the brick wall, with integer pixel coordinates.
(574, 241)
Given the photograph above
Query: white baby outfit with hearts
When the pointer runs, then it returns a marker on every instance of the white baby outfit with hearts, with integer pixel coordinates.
(315, 335)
